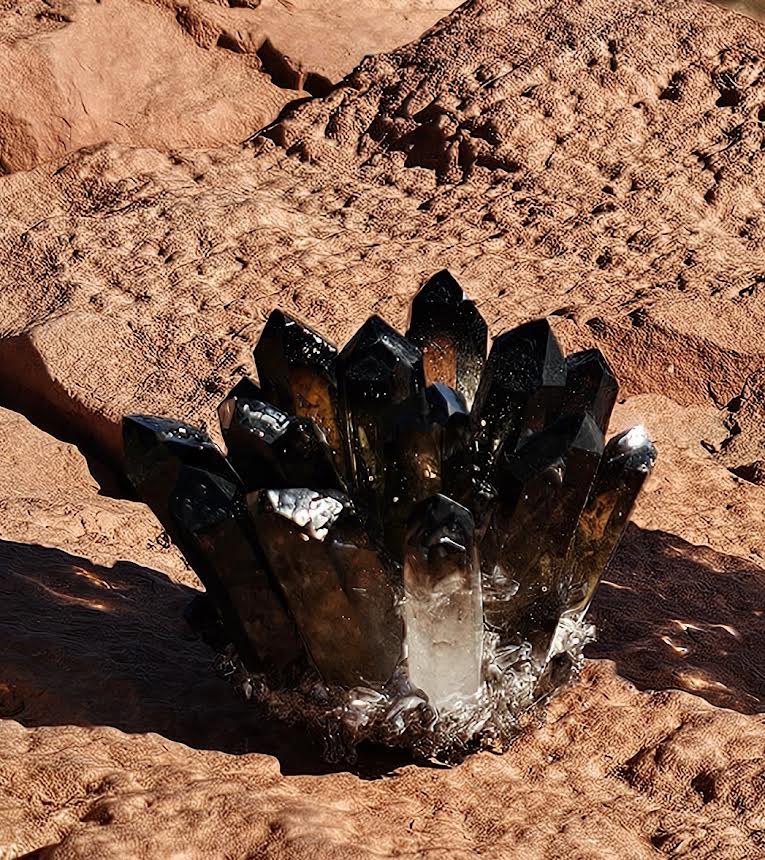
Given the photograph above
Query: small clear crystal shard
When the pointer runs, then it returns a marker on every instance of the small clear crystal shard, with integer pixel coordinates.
(336, 586)
(377, 370)
(296, 369)
(269, 448)
(156, 449)
(210, 515)
(443, 614)
(627, 461)
(451, 333)
(543, 486)
(521, 389)
(590, 386)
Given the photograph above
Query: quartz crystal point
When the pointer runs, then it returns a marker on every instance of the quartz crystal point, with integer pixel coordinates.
(296, 369)
(521, 389)
(158, 452)
(271, 449)
(377, 370)
(442, 607)
(210, 513)
(627, 461)
(451, 333)
(590, 386)
(543, 486)
(335, 584)
(155, 451)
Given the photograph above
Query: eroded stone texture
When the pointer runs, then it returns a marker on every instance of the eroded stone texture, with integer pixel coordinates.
(543, 486)
(442, 608)
(627, 461)
(296, 369)
(451, 333)
(334, 583)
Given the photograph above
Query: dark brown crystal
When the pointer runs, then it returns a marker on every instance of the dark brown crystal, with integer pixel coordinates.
(378, 370)
(334, 581)
(269, 448)
(543, 486)
(590, 386)
(627, 461)
(210, 514)
(296, 369)
(451, 333)
(521, 389)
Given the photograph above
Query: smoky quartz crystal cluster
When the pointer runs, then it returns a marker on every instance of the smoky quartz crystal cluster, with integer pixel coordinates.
(405, 535)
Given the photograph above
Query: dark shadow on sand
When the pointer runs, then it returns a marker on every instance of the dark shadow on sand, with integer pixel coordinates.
(84, 644)
(675, 615)
(90, 645)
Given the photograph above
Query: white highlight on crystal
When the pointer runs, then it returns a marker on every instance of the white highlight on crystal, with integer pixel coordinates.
(306, 508)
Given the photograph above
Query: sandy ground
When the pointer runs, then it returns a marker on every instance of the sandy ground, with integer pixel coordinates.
(600, 163)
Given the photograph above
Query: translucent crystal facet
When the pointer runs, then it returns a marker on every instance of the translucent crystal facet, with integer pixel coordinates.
(543, 486)
(590, 386)
(270, 448)
(334, 582)
(521, 388)
(627, 461)
(210, 513)
(451, 333)
(378, 370)
(296, 369)
(443, 612)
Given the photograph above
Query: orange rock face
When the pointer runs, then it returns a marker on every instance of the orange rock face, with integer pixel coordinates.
(599, 163)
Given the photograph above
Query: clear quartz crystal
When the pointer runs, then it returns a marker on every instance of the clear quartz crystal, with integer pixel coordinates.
(443, 613)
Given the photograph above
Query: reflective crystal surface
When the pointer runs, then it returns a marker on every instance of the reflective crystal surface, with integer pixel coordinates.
(377, 371)
(335, 584)
(627, 461)
(451, 333)
(590, 386)
(270, 448)
(403, 539)
(296, 369)
(543, 486)
(442, 608)
(211, 514)
(521, 388)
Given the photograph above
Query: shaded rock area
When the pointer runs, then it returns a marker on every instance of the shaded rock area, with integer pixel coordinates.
(599, 163)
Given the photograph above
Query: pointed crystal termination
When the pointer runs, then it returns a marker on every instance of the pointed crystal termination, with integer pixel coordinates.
(157, 453)
(210, 514)
(590, 387)
(156, 449)
(543, 486)
(443, 614)
(271, 449)
(296, 369)
(451, 333)
(627, 461)
(377, 370)
(335, 584)
(520, 391)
